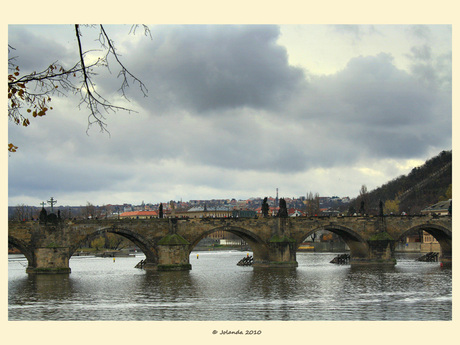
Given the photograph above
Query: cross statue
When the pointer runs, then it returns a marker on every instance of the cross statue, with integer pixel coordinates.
(52, 202)
(43, 204)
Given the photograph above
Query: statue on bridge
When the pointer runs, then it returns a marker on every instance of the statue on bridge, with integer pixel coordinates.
(381, 208)
(265, 208)
(282, 213)
(160, 211)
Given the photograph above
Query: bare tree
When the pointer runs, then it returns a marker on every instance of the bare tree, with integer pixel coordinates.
(30, 94)
(66, 212)
(108, 210)
(116, 242)
(363, 200)
(22, 212)
(90, 210)
(312, 204)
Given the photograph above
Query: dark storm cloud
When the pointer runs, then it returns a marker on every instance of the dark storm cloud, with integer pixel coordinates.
(378, 94)
(208, 68)
(241, 142)
(39, 175)
(385, 112)
(224, 104)
(35, 52)
(231, 73)
(369, 109)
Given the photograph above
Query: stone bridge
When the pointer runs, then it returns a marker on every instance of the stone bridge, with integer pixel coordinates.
(167, 243)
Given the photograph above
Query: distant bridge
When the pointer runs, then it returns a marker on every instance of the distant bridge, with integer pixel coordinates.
(167, 243)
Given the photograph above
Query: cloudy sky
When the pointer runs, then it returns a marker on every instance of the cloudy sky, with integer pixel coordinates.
(236, 112)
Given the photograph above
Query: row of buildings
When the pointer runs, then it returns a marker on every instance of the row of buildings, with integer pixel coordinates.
(228, 207)
(206, 212)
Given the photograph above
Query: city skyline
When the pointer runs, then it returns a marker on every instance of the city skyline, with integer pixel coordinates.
(236, 111)
(192, 202)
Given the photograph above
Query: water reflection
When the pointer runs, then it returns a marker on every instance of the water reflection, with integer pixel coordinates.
(217, 289)
(272, 289)
(45, 286)
(40, 295)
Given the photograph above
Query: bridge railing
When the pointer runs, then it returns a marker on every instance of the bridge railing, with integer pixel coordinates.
(205, 219)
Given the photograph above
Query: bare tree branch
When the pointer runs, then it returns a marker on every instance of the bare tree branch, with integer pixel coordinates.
(31, 93)
(123, 72)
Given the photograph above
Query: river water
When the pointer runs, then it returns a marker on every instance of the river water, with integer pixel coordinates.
(217, 289)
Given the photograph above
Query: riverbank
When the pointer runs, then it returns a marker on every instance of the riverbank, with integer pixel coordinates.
(338, 247)
(132, 251)
(221, 247)
(107, 252)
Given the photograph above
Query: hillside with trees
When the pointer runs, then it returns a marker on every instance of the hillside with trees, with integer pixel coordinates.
(423, 186)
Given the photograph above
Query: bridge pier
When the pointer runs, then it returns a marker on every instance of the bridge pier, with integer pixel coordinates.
(380, 252)
(281, 253)
(50, 260)
(173, 254)
(446, 258)
(446, 251)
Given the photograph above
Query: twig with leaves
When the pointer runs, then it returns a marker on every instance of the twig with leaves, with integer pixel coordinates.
(31, 93)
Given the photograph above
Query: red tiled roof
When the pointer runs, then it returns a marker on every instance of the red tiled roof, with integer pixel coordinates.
(139, 213)
(293, 210)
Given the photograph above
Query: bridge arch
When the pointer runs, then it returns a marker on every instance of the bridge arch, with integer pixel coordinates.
(259, 247)
(143, 244)
(24, 248)
(439, 232)
(358, 246)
